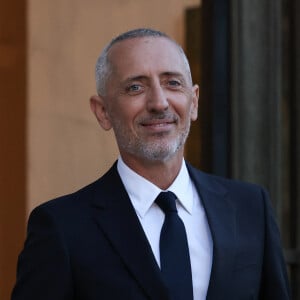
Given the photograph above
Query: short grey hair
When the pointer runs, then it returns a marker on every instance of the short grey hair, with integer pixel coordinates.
(103, 67)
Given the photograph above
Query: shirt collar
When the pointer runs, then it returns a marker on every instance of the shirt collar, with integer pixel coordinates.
(143, 193)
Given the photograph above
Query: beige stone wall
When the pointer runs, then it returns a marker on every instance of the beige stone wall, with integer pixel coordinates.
(66, 147)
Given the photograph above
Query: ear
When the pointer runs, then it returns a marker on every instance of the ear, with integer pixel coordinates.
(195, 100)
(99, 109)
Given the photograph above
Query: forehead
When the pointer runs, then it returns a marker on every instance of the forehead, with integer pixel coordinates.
(146, 55)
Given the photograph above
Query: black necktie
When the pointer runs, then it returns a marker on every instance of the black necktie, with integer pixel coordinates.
(174, 252)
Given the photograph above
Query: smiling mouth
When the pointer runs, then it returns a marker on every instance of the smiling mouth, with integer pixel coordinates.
(158, 123)
(159, 126)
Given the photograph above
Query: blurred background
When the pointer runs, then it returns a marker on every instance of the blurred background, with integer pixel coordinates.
(245, 55)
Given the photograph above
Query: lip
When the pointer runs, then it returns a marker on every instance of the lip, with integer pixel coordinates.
(158, 125)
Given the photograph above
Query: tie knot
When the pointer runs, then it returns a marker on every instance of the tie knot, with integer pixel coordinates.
(166, 202)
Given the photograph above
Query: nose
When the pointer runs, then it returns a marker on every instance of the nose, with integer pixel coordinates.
(157, 99)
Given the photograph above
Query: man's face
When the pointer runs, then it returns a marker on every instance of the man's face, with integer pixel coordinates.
(150, 100)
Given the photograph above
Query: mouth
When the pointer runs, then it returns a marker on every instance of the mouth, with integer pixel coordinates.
(159, 124)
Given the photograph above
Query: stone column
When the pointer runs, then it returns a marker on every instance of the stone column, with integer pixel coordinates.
(266, 110)
(296, 107)
(257, 124)
(295, 144)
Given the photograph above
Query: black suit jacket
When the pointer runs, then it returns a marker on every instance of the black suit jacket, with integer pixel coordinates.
(90, 245)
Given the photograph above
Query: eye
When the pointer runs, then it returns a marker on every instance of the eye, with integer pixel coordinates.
(174, 83)
(134, 88)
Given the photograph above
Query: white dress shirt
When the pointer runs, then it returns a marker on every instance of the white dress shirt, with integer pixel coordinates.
(143, 193)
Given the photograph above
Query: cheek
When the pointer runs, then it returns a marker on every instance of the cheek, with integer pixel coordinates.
(130, 109)
(186, 110)
(123, 117)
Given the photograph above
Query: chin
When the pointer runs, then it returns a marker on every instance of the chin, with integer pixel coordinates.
(160, 153)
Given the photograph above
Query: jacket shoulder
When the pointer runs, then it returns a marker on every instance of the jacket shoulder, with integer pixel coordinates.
(79, 200)
(212, 181)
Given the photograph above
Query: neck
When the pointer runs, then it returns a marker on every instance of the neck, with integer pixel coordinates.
(160, 173)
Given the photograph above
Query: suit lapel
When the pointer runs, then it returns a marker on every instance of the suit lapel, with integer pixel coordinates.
(222, 222)
(117, 219)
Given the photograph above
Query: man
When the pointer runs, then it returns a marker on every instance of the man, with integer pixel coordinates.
(111, 239)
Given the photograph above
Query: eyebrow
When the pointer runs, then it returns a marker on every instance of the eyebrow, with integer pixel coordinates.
(176, 74)
(143, 77)
(135, 78)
